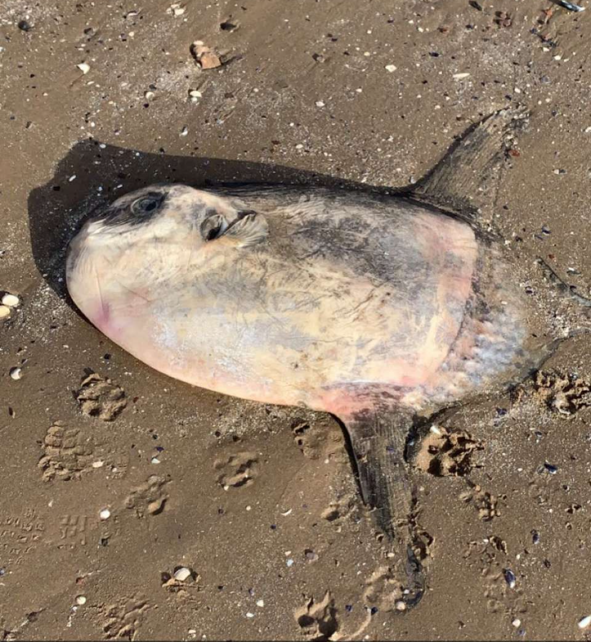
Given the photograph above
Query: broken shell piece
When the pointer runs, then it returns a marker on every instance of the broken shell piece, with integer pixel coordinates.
(584, 622)
(176, 9)
(461, 76)
(105, 514)
(16, 374)
(510, 578)
(182, 574)
(84, 67)
(204, 56)
(4, 312)
(10, 300)
(157, 506)
(81, 600)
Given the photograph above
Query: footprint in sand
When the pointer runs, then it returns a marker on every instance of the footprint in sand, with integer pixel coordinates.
(237, 470)
(98, 397)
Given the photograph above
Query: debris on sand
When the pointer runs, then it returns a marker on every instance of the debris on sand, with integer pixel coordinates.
(176, 9)
(205, 57)
(181, 578)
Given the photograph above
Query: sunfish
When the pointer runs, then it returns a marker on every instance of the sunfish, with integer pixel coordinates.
(381, 309)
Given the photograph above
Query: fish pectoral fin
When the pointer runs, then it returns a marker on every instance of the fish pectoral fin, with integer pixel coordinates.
(250, 229)
(378, 443)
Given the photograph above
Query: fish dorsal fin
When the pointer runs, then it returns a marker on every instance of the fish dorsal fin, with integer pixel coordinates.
(466, 179)
(250, 229)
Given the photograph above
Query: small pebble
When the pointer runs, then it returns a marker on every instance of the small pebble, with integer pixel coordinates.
(460, 76)
(516, 623)
(80, 600)
(390, 68)
(4, 312)
(319, 103)
(105, 514)
(250, 615)
(182, 574)
(260, 603)
(148, 95)
(16, 374)
(11, 300)
(23, 25)
(289, 562)
(84, 67)
(98, 464)
(584, 622)
(400, 605)
(155, 460)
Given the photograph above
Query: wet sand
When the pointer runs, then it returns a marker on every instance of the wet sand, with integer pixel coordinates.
(114, 476)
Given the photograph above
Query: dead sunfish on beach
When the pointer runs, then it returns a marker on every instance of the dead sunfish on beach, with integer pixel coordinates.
(382, 309)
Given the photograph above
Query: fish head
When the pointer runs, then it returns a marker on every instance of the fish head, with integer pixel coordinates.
(140, 240)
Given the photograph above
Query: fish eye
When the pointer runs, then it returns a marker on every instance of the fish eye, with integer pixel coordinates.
(146, 204)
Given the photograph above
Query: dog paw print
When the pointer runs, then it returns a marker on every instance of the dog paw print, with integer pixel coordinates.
(562, 393)
(237, 470)
(124, 619)
(446, 452)
(317, 441)
(485, 503)
(150, 497)
(98, 397)
(384, 591)
(318, 620)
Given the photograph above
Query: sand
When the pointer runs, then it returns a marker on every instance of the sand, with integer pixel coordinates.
(114, 477)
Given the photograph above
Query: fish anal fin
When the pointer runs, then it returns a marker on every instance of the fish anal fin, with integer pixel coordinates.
(378, 442)
(466, 179)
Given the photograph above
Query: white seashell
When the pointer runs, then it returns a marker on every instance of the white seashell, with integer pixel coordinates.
(11, 300)
(182, 574)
